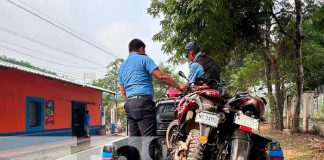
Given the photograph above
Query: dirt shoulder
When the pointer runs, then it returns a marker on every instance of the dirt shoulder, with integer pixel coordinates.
(301, 146)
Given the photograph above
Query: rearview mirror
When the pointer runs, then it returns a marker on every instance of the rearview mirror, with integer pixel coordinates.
(182, 74)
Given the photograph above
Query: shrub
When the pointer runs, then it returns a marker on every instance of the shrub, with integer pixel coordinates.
(315, 130)
(318, 116)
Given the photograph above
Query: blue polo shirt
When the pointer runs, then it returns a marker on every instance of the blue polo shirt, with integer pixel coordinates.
(195, 69)
(135, 74)
(86, 119)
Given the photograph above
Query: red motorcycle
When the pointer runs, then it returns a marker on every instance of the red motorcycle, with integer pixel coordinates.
(196, 117)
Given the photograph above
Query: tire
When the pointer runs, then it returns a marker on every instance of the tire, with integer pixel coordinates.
(195, 147)
(158, 148)
(258, 154)
(172, 128)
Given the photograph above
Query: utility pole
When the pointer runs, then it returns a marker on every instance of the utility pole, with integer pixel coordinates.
(116, 89)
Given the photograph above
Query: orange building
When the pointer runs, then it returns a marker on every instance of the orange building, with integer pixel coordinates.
(37, 103)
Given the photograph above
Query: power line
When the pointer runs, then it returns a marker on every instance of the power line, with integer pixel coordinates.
(62, 24)
(48, 46)
(45, 53)
(67, 31)
(39, 58)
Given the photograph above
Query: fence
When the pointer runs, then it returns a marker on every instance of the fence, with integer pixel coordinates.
(312, 110)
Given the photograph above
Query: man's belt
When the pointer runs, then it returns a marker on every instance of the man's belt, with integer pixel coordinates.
(143, 97)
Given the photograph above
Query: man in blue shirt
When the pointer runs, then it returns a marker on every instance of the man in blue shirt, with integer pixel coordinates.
(201, 65)
(87, 123)
(136, 85)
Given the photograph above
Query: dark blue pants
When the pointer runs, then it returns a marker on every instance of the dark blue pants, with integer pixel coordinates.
(141, 119)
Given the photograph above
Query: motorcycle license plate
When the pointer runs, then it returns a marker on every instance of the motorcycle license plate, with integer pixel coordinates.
(207, 118)
(246, 121)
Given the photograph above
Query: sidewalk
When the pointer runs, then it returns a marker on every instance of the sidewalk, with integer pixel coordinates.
(47, 148)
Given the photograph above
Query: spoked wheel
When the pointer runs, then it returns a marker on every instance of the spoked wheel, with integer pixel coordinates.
(171, 139)
(171, 133)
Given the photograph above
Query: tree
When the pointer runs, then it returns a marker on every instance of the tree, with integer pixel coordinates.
(313, 48)
(248, 75)
(110, 82)
(298, 56)
(219, 27)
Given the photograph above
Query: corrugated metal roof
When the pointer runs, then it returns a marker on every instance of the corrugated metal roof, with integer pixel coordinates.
(25, 69)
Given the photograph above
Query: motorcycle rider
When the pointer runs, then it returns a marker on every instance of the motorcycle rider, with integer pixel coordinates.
(201, 65)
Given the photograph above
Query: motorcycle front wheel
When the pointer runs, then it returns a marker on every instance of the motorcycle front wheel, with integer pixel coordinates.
(195, 147)
(171, 133)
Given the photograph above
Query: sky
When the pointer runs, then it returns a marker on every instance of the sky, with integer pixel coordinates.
(109, 23)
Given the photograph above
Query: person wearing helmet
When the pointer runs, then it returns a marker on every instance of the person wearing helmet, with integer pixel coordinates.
(201, 65)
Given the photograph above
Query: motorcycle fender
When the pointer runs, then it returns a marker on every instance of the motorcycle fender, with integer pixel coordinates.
(204, 130)
(240, 145)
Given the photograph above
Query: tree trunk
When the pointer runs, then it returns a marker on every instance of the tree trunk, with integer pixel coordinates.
(283, 98)
(289, 111)
(273, 109)
(279, 98)
(298, 55)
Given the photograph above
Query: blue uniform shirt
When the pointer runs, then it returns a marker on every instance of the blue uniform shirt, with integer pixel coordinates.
(195, 69)
(86, 119)
(135, 74)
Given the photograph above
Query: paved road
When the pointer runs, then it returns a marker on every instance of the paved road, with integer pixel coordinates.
(95, 152)
(58, 149)
(92, 153)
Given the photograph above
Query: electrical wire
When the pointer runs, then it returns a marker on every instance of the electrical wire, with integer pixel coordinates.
(62, 24)
(48, 46)
(67, 31)
(39, 58)
(46, 54)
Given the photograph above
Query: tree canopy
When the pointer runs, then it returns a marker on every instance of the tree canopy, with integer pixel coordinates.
(220, 27)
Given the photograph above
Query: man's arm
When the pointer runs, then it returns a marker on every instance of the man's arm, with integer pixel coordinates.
(122, 90)
(166, 79)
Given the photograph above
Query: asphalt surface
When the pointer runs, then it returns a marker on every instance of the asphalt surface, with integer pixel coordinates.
(50, 148)
(93, 153)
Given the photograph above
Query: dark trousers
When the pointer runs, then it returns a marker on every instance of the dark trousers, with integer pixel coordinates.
(141, 119)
